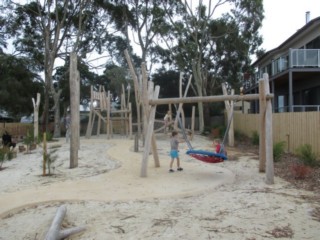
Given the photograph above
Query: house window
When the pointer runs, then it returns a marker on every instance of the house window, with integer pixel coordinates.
(311, 96)
(281, 102)
(269, 69)
(314, 44)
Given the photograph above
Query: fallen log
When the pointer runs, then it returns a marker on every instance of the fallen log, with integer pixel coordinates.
(54, 232)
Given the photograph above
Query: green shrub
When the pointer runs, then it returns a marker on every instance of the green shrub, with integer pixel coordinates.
(255, 138)
(278, 150)
(307, 156)
(29, 139)
(51, 157)
(239, 136)
(222, 129)
(49, 136)
(5, 155)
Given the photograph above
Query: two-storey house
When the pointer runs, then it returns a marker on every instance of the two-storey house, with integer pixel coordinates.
(294, 71)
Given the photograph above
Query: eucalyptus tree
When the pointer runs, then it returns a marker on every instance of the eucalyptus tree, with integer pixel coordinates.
(49, 30)
(140, 23)
(19, 84)
(88, 79)
(214, 47)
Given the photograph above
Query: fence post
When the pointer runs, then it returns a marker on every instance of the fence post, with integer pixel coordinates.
(136, 143)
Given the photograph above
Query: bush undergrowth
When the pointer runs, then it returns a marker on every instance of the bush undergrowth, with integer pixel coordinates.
(307, 156)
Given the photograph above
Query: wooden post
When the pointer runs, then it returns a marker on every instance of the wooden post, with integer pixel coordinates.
(75, 111)
(108, 115)
(149, 134)
(182, 96)
(36, 105)
(89, 127)
(218, 98)
(193, 121)
(268, 130)
(136, 143)
(44, 154)
(153, 138)
(130, 121)
(136, 89)
(229, 109)
(55, 233)
(145, 105)
(262, 134)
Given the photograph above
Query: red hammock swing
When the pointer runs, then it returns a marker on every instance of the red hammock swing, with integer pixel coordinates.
(206, 156)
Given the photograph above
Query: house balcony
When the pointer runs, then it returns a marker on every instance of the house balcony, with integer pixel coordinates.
(294, 80)
(303, 60)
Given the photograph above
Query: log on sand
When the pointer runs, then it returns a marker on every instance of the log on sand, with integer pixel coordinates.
(55, 232)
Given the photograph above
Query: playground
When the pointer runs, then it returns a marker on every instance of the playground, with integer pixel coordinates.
(106, 195)
(113, 190)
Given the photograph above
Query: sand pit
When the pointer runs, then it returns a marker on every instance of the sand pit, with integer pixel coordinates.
(107, 195)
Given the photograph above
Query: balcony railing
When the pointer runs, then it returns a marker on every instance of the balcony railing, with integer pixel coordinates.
(305, 57)
(295, 58)
(299, 108)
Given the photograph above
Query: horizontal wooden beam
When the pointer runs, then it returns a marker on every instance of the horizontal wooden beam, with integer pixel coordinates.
(218, 98)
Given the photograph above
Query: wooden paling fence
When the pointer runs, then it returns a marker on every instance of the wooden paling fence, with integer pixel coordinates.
(17, 130)
(296, 128)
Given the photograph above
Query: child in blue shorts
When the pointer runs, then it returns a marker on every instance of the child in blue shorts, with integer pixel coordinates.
(174, 152)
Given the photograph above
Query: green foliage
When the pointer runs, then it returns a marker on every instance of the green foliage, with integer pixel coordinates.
(220, 129)
(49, 137)
(307, 156)
(50, 158)
(29, 139)
(5, 154)
(239, 136)
(278, 150)
(255, 138)
(18, 85)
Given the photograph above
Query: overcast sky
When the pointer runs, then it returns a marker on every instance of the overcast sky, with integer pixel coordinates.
(284, 17)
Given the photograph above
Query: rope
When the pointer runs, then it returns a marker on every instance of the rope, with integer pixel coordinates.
(226, 132)
(182, 129)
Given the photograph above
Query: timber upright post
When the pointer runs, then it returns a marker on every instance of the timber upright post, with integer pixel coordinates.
(266, 143)
(75, 111)
(36, 105)
(229, 109)
(149, 134)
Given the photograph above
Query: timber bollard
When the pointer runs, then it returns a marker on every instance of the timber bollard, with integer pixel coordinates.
(136, 143)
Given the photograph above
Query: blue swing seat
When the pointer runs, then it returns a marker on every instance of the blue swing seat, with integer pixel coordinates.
(207, 156)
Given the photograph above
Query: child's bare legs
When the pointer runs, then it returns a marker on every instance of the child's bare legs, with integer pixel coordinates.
(178, 164)
(171, 162)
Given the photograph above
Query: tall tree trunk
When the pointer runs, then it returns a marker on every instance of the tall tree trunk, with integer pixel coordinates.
(57, 128)
(36, 104)
(206, 113)
(198, 80)
(45, 114)
(75, 110)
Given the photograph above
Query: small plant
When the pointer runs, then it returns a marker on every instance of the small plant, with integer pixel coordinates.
(50, 159)
(5, 154)
(255, 138)
(278, 150)
(307, 156)
(49, 137)
(239, 136)
(29, 139)
(300, 171)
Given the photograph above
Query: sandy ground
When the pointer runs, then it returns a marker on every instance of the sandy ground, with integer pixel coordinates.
(107, 195)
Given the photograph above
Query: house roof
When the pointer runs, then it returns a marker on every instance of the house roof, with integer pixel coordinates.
(301, 31)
